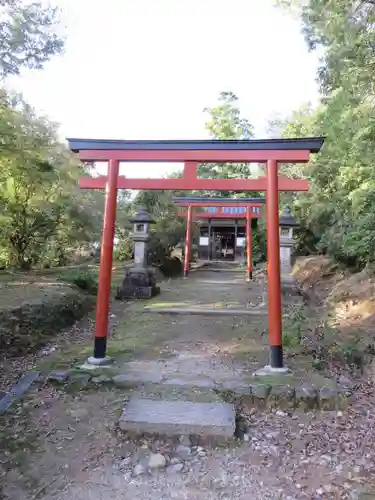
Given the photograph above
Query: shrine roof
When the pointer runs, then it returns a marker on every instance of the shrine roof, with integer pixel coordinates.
(312, 144)
(207, 199)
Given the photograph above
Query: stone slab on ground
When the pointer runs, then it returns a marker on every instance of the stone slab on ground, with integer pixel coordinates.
(18, 390)
(173, 418)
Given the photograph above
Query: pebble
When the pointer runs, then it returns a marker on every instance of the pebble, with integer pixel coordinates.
(125, 462)
(78, 413)
(157, 461)
(281, 413)
(185, 441)
(139, 469)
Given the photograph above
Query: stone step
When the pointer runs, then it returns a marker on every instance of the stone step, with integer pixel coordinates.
(223, 269)
(205, 311)
(175, 418)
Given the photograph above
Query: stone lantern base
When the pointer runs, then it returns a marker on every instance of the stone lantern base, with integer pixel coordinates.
(138, 283)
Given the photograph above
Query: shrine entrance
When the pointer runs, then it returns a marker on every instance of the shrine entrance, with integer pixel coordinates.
(270, 151)
(225, 228)
(223, 243)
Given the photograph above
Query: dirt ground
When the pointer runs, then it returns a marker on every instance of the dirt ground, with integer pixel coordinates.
(61, 445)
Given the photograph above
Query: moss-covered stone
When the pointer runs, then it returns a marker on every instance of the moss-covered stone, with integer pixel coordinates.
(306, 397)
(259, 394)
(281, 396)
(328, 398)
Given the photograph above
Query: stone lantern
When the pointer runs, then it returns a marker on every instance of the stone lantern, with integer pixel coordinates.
(139, 281)
(286, 223)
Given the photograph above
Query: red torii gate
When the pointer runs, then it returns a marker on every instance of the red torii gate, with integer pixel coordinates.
(269, 151)
(247, 203)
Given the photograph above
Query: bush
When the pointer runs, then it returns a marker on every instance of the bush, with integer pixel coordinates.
(171, 266)
(84, 278)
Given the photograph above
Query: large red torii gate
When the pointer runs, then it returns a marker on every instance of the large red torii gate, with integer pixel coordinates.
(207, 202)
(269, 151)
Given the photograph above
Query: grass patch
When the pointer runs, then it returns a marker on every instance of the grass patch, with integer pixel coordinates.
(136, 335)
(294, 326)
(294, 379)
(84, 278)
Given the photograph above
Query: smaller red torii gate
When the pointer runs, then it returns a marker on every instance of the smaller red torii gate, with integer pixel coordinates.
(191, 152)
(248, 204)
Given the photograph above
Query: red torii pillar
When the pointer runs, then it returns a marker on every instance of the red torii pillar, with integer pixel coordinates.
(249, 246)
(273, 270)
(269, 151)
(105, 268)
(189, 224)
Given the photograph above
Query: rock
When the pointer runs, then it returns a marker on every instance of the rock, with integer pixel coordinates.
(327, 398)
(174, 461)
(80, 380)
(101, 379)
(346, 382)
(59, 376)
(281, 413)
(183, 452)
(175, 468)
(157, 461)
(139, 469)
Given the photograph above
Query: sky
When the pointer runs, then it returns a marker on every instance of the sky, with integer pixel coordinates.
(145, 69)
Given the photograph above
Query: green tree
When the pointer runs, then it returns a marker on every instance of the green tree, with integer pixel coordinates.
(42, 206)
(337, 213)
(225, 122)
(27, 35)
(344, 32)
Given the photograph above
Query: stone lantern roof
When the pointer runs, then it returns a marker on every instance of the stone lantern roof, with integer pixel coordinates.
(286, 218)
(142, 217)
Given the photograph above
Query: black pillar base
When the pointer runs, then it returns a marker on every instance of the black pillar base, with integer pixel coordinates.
(100, 347)
(276, 356)
(249, 276)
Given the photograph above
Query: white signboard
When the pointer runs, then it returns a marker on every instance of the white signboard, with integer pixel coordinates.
(240, 242)
(203, 241)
